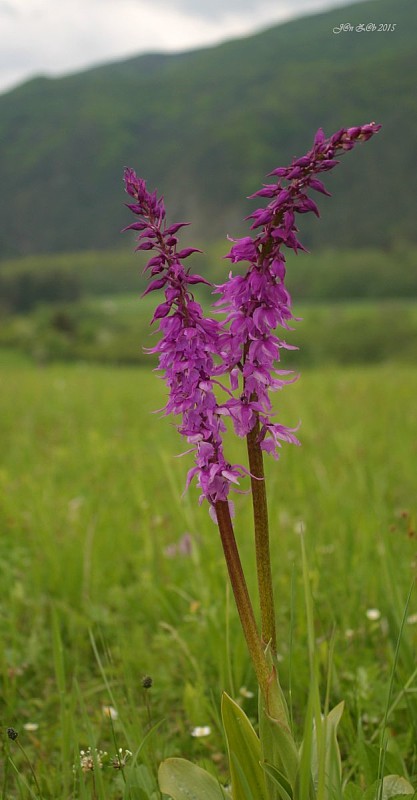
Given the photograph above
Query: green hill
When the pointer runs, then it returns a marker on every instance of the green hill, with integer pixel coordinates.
(205, 127)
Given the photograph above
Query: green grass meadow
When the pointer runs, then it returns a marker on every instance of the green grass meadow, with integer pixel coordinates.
(99, 587)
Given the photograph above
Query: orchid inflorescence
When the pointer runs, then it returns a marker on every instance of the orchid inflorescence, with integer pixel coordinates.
(196, 352)
(189, 343)
(226, 370)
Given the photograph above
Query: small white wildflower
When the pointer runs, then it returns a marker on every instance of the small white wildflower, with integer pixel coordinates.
(300, 527)
(412, 619)
(111, 712)
(349, 633)
(245, 692)
(373, 614)
(88, 760)
(31, 726)
(369, 720)
(122, 757)
(202, 730)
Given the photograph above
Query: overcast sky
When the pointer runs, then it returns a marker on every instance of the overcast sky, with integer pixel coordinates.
(54, 37)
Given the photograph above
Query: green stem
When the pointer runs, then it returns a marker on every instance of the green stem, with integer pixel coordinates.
(263, 556)
(265, 669)
(241, 595)
(33, 773)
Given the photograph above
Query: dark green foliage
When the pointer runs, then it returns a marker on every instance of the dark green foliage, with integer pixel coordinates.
(353, 274)
(356, 333)
(357, 306)
(23, 290)
(115, 331)
(206, 126)
(366, 273)
(95, 272)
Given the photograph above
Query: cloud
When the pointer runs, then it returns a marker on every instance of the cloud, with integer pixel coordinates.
(218, 9)
(53, 38)
(7, 8)
(249, 10)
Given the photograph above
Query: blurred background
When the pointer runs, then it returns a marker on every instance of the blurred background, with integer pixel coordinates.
(203, 102)
(108, 572)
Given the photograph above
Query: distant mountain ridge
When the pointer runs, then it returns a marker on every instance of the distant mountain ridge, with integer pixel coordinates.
(206, 126)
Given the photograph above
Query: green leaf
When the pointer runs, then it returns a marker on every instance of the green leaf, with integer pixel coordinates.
(331, 755)
(284, 789)
(183, 780)
(392, 786)
(244, 748)
(277, 743)
(352, 792)
(278, 747)
(304, 787)
(140, 784)
(371, 757)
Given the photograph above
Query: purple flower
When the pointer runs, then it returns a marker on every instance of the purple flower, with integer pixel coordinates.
(242, 250)
(256, 303)
(195, 350)
(183, 547)
(188, 344)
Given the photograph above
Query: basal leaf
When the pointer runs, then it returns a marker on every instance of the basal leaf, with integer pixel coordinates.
(183, 780)
(244, 748)
(284, 789)
(392, 786)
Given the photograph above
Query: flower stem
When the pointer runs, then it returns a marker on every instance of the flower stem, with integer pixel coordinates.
(241, 594)
(263, 557)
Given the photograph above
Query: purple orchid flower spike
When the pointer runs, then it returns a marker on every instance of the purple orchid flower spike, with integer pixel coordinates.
(195, 351)
(257, 303)
(188, 344)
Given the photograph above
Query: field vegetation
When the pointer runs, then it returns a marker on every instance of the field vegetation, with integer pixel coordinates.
(357, 306)
(117, 626)
(109, 574)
